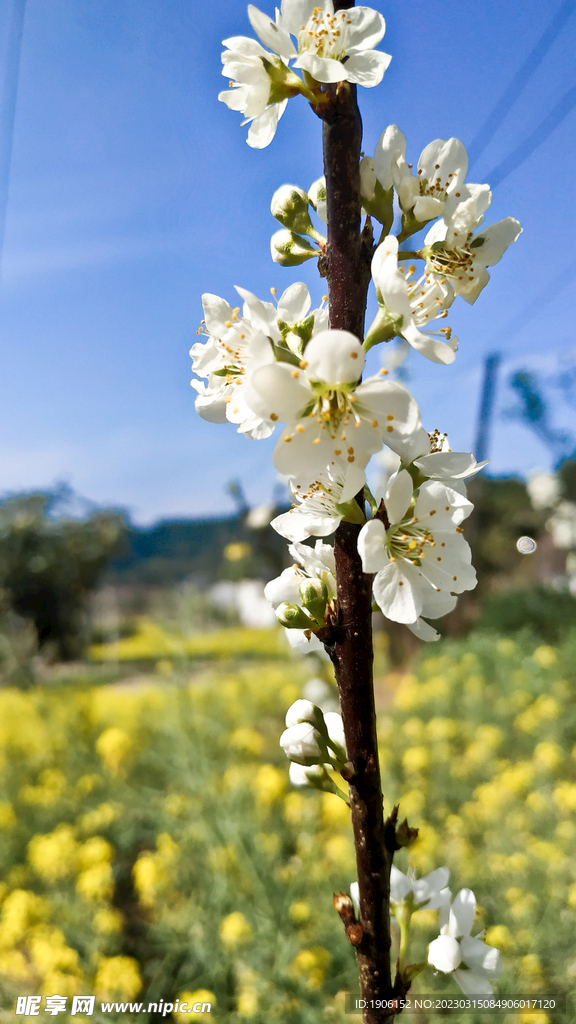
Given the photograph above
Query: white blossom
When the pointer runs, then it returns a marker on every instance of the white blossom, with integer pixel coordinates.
(323, 40)
(236, 343)
(440, 173)
(431, 454)
(469, 960)
(301, 775)
(318, 509)
(317, 563)
(543, 490)
(250, 88)
(421, 560)
(562, 525)
(408, 303)
(303, 743)
(429, 892)
(328, 413)
(310, 733)
(454, 253)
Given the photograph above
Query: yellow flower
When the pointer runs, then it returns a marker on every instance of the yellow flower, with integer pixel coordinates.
(50, 952)
(64, 984)
(100, 817)
(236, 551)
(543, 709)
(411, 803)
(95, 851)
(549, 755)
(270, 784)
(442, 728)
(96, 882)
(413, 728)
(338, 850)
(545, 656)
(48, 792)
(572, 895)
(20, 910)
(311, 965)
(117, 977)
(505, 647)
(416, 759)
(501, 937)
(536, 801)
(53, 855)
(14, 965)
(246, 740)
(107, 921)
(334, 811)
(299, 912)
(7, 816)
(113, 745)
(201, 996)
(235, 930)
(565, 797)
(531, 1017)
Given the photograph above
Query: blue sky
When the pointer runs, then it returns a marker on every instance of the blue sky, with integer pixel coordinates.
(132, 191)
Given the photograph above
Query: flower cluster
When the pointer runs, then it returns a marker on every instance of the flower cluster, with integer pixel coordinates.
(314, 742)
(327, 47)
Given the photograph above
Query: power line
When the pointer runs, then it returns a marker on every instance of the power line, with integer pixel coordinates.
(520, 80)
(8, 106)
(535, 139)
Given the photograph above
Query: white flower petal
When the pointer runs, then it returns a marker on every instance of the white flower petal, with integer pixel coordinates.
(364, 29)
(431, 348)
(398, 593)
(371, 546)
(283, 588)
(335, 727)
(275, 394)
(366, 69)
(398, 495)
(497, 237)
(334, 357)
(294, 303)
(391, 144)
(473, 983)
(444, 954)
(243, 45)
(462, 914)
(300, 711)
(430, 885)
(423, 630)
(481, 957)
(272, 35)
(400, 885)
(263, 128)
(297, 12)
(322, 69)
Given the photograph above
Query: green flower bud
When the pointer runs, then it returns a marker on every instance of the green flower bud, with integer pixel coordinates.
(292, 617)
(289, 249)
(290, 208)
(314, 594)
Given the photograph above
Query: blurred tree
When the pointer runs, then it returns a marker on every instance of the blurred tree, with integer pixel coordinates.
(49, 567)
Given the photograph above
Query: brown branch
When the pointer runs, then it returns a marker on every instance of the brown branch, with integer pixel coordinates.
(347, 263)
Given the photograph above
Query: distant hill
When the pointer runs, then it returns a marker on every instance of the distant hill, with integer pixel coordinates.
(177, 549)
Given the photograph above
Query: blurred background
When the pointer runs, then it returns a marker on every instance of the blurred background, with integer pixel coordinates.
(151, 843)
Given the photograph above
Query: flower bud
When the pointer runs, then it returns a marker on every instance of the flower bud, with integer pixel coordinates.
(292, 617)
(367, 179)
(314, 595)
(290, 207)
(317, 197)
(303, 711)
(290, 250)
(302, 776)
(303, 744)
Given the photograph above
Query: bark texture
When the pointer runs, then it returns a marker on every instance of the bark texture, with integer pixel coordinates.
(348, 272)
